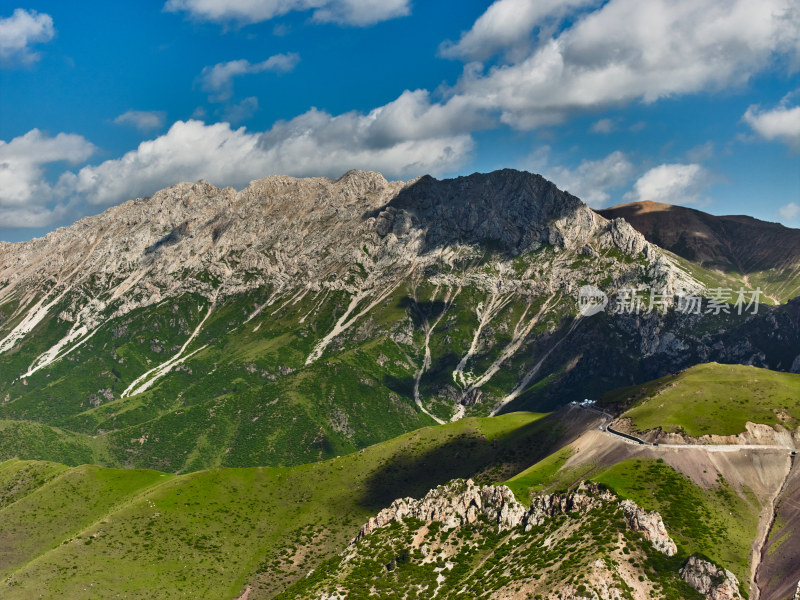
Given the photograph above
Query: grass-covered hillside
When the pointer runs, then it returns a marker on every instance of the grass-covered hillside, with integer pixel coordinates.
(703, 493)
(696, 516)
(91, 532)
(712, 399)
(245, 395)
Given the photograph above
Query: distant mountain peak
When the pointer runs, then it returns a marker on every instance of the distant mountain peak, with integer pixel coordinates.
(761, 253)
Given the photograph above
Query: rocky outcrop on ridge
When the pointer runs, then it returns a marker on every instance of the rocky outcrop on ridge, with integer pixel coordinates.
(455, 504)
(710, 580)
(650, 525)
(461, 503)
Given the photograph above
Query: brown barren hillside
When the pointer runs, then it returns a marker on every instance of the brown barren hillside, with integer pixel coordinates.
(762, 253)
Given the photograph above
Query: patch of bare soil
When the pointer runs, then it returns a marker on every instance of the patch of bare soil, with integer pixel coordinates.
(601, 450)
(245, 595)
(762, 471)
(755, 434)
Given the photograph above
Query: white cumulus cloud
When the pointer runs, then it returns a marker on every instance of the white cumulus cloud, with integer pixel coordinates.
(672, 184)
(609, 53)
(405, 138)
(142, 120)
(782, 123)
(345, 12)
(629, 50)
(20, 31)
(218, 79)
(592, 179)
(25, 196)
(506, 27)
(189, 151)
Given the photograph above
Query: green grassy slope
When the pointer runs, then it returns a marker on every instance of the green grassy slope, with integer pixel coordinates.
(774, 287)
(546, 476)
(89, 532)
(62, 507)
(94, 533)
(705, 399)
(712, 399)
(696, 518)
(246, 399)
(19, 478)
(29, 440)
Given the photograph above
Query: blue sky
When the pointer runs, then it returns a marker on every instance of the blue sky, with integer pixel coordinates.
(682, 101)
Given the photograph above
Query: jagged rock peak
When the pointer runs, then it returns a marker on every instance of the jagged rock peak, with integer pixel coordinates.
(360, 180)
(514, 209)
(454, 504)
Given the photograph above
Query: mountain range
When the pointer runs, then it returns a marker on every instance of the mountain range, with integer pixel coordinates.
(172, 332)
(363, 341)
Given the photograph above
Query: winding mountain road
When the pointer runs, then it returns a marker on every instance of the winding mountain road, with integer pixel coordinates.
(632, 439)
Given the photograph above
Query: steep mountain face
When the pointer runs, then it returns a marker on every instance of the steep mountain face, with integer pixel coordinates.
(300, 319)
(761, 253)
(316, 234)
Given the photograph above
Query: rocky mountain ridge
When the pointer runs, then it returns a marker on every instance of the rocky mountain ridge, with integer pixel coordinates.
(461, 503)
(294, 234)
